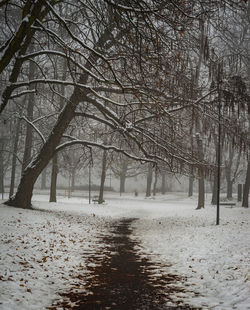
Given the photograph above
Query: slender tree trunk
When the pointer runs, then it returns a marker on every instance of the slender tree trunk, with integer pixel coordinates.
(43, 179)
(163, 182)
(155, 182)
(1, 168)
(73, 179)
(122, 183)
(149, 180)
(201, 196)
(54, 173)
(215, 190)
(245, 202)
(103, 177)
(30, 110)
(201, 181)
(190, 186)
(123, 175)
(14, 159)
(229, 189)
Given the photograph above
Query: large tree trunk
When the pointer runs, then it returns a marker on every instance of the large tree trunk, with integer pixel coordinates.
(246, 187)
(54, 173)
(149, 180)
(14, 159)
(23, 195)
(103, 177)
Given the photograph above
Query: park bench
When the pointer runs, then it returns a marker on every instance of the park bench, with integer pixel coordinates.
(231, 204)
(95, 199)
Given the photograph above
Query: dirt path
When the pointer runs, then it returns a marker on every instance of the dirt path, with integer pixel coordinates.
(123, 280)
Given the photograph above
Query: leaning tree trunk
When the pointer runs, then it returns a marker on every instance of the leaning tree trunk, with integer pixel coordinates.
(246, 187)
(149, 180)
(23, 195)
(103, 177)
(24, 192)
(54, 173)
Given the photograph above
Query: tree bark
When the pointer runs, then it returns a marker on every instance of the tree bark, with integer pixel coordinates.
(215, 190)
(1, 168)
(163, 183)
(54, 173)
(149, 180)
(43, 179)
(155, 182)
(123, 175)
(14, 159)
(103, 177)
(201, 182)
(190, 186)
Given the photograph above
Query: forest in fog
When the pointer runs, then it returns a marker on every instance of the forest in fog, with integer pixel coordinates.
(150, 88)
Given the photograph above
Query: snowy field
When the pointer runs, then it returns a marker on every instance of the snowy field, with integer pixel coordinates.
(42, 250)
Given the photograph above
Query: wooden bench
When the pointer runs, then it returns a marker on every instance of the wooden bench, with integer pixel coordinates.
(95, 199)
(231, 204)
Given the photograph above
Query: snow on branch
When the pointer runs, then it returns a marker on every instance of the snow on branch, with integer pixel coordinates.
(104, 147)
(22, 93)
(35, 128)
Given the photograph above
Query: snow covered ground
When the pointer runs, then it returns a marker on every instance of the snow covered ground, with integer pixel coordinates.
(42, 250)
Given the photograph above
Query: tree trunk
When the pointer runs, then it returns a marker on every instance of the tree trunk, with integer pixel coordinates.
(149, 180)
(122, 183)
(155, 182)
(229, 189)
(123, 175)
(246, 187)
(201, 182)
(43, 179)
(73, 179)
(54, 173)
(201, 196)
(14, 159)
(30, 110)
(23, 195)
(1, 168)
(163, 182)
(103, 177)
(190, 186)
(215, 190)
